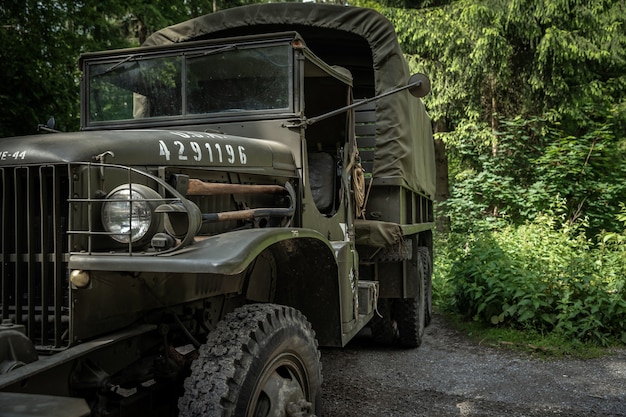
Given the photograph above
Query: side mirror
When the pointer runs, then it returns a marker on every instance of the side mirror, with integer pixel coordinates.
(48, 127)
(419, 85)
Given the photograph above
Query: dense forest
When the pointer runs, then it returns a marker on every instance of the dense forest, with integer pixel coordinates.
(529, 112)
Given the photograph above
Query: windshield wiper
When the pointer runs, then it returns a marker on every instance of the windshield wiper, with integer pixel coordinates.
(222, 49)
(135, 56)
(195, 55)
(117, 64)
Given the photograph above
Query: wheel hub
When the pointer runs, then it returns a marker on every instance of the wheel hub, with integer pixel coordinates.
(282, 395)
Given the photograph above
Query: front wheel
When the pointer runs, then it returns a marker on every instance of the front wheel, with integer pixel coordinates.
(261, 361)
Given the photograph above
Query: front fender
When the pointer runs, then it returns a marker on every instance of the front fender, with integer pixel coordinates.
(228, 253)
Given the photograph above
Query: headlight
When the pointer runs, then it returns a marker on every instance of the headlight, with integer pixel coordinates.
(128, 213)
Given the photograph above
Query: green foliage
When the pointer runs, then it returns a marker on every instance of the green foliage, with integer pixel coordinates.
(545, 277)
(511, 176)
(497, 183)
(42, 40)
(447, 248)
(528, 56)
(609, 238)
(463, 48)
(529, 98)
(588, 170)
(38, 80)
(404, 4)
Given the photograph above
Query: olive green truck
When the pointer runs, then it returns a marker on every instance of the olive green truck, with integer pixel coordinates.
(245, 186)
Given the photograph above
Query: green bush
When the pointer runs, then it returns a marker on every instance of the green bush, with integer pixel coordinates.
(512, 175)
(543, 276)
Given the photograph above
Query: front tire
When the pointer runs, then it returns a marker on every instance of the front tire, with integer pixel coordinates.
(261, 361)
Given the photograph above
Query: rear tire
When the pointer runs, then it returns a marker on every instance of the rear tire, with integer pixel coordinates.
(410, 313)
(424, 254)
(382, 325)
(261, 360)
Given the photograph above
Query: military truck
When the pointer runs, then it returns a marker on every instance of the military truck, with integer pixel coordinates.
(245, 186)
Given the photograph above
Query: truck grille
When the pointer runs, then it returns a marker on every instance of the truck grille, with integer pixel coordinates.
(33, 252)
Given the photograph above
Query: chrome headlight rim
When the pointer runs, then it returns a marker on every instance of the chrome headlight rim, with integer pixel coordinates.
(128, 214)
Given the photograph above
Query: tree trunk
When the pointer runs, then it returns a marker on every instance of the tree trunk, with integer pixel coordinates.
(441, 166)
(494, 130)
(142, 31)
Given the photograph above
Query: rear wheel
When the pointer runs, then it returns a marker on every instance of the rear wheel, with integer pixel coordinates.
(410, 313)
(410, 322)
(261, 361)
(424, 254)
(382, 325)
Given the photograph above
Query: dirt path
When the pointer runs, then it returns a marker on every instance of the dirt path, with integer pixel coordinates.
(451, 376)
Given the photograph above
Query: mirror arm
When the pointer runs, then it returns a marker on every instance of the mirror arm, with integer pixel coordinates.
(419, 83)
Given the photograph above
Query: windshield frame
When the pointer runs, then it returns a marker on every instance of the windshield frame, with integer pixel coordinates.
(113, 60)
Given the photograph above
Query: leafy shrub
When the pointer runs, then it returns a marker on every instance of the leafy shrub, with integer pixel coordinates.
(512, 175)
(544, 276)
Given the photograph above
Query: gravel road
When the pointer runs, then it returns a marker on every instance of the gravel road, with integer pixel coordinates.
(450, 375)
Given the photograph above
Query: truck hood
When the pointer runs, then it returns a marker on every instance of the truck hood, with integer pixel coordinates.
(147, 147)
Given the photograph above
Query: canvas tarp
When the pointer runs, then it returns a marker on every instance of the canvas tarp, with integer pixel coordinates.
(404, 144)
(377, 234)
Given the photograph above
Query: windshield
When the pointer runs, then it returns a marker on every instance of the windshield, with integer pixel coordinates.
(192, 83)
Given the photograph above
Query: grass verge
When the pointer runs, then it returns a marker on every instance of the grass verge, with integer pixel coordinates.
(545, 346)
